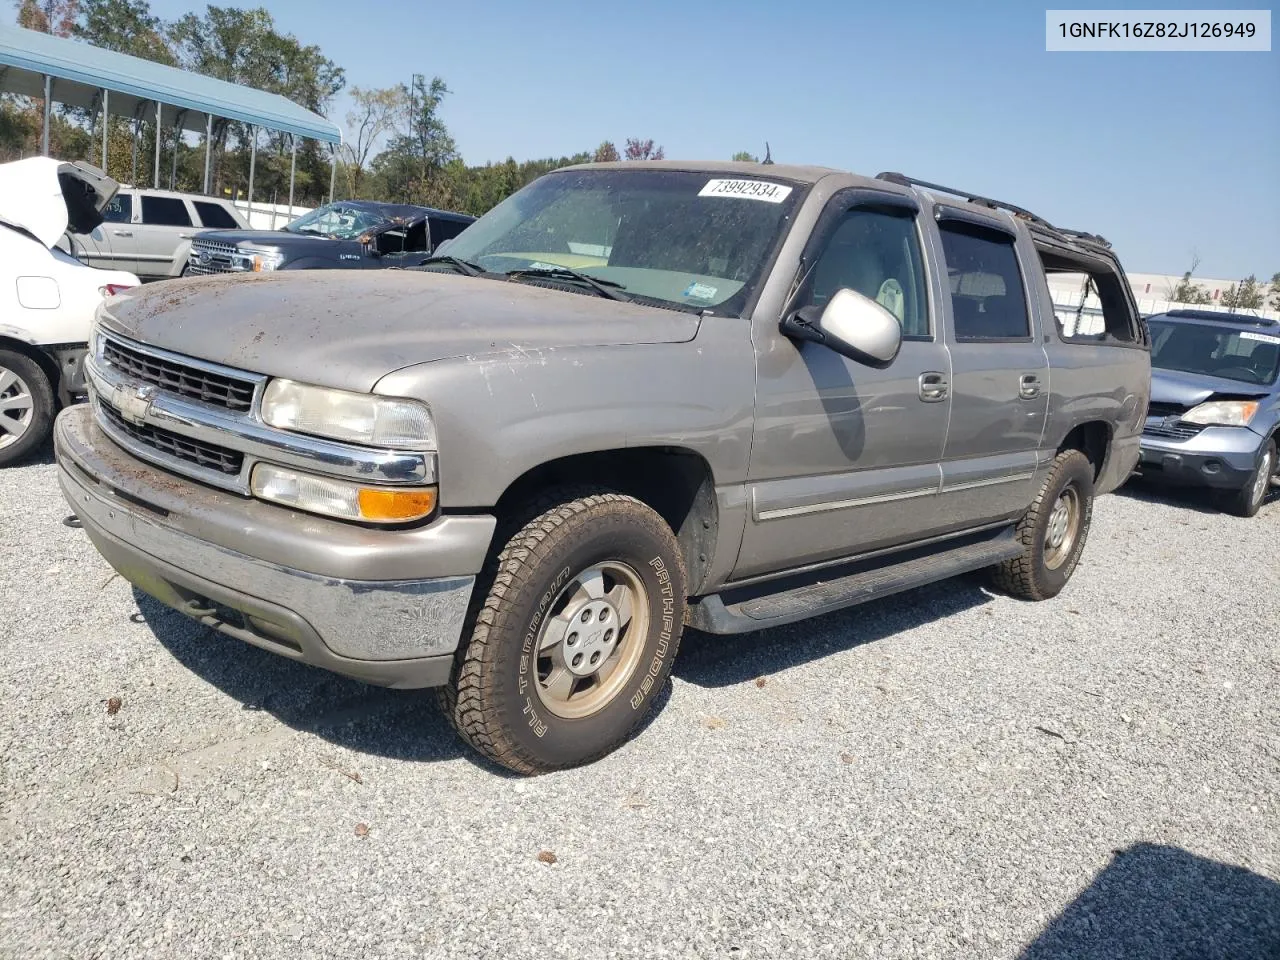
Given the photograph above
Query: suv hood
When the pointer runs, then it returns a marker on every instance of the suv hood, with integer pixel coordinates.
(46, 197)
(1189, 389)
(349, 329)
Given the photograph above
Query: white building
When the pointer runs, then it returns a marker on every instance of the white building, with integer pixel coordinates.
(1150, 290)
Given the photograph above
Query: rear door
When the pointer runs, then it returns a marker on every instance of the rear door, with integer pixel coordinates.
(166, 223)
(999, 371)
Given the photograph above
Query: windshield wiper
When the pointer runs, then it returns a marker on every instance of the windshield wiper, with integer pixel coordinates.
(606, 288)
(465, 267)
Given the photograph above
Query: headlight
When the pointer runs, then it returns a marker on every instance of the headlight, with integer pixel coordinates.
(1222, 413)
(259, 260)
(339, 498)
(356, 417)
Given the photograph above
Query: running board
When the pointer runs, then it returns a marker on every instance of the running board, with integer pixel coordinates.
(730, 612)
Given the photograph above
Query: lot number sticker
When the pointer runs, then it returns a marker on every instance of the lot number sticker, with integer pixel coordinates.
(1247, 335)
(747, 190)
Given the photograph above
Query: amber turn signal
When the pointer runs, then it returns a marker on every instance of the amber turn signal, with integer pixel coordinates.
(382, 505)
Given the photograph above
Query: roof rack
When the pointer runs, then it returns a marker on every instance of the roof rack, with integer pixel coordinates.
(1215, 317)
(1021, 212)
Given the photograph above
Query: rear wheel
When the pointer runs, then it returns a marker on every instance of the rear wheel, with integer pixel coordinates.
(27, 406)
(1052, 532)
(1248, 500)
(574, 637)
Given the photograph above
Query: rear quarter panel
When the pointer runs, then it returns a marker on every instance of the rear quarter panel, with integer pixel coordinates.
(1100, 382)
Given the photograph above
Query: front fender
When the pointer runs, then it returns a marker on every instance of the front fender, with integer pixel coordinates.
(180, 257)
(500, 415)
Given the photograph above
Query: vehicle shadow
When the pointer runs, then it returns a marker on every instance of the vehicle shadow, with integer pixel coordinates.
(1155, 902)
(1199, 499)
(720, 661)
(39, 457)
(397, 724)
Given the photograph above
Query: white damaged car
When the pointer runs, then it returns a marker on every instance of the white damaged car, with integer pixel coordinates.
(47, 298)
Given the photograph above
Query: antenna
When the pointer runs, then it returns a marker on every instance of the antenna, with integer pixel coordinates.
(768, 156)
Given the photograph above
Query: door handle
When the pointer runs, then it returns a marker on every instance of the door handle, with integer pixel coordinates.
(123, 233)
(1028, 386)
(933, 387)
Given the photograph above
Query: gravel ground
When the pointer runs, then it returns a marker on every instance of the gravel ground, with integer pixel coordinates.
(949, 773)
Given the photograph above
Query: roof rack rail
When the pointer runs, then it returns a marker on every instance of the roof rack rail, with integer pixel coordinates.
(1215, 316)
(904, 181)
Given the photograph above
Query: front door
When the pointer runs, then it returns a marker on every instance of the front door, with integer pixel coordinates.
(110, 245)
(1000, 375)
(845, 458)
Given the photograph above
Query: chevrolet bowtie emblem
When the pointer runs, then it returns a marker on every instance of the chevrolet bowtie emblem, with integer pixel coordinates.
(133, 402)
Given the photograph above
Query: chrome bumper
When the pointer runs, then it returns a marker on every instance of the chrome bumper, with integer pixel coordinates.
(391, 632)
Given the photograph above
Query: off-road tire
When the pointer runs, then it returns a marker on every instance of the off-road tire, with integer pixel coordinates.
(44, 405)
(489, 699)
(1245, 502)
(1027, 576)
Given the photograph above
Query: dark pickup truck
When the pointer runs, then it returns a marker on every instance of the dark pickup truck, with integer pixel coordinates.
(630, 398)
(347, 235)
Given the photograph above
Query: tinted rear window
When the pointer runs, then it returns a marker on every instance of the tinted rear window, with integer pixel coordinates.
(987, 299)
(215, 215)
(442, 230)
(165, 211)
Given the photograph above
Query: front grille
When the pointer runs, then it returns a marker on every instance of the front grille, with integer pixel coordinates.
(212, 256)
(1162, 410)
(195, 383)
(207, 455)
(1171, 429)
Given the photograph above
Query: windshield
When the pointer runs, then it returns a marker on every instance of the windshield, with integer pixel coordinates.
(342, 221)
(692, 240)
(1216, 352)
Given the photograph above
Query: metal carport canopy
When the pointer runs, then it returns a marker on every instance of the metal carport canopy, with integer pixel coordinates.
(80, 73)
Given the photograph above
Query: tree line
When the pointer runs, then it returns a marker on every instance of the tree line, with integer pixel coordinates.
(397, 148)
(1247, 294)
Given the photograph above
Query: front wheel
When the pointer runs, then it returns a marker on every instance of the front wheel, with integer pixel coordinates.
(575, 636)
(1052, 532)
(1248, 501)
(27, 406)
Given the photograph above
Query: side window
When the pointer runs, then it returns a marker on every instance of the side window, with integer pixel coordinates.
(165, 211)
(390, 241)
(1090, 303)
(415, 240)
(876, 252)
(119, 210)
(214, 215)
(442, 230)
(987, 298)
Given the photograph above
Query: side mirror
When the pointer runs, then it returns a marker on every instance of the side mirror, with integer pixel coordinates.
(852, 325)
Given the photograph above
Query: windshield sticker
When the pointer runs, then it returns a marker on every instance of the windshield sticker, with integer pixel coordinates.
(700, 291)
(746, 189)
(1248, 335)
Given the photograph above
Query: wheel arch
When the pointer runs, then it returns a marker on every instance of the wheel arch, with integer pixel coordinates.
(676, 482)
(37, 355)
(1093, 438)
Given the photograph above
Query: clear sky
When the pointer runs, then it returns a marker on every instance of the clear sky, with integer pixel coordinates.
(1162, 153)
